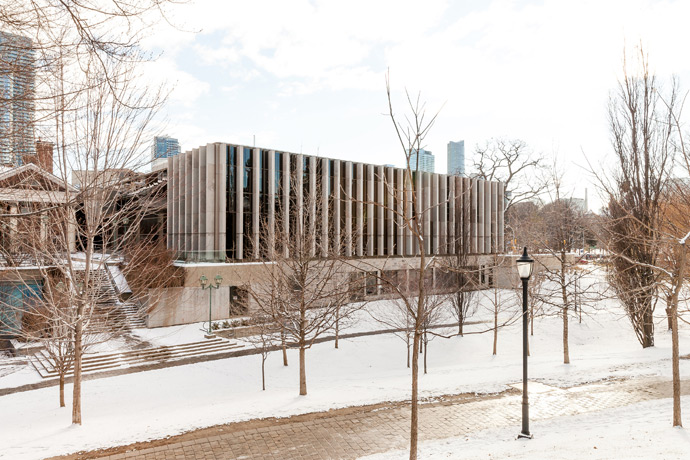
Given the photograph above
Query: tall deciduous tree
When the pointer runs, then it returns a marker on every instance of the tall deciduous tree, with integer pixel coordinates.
(643, 144)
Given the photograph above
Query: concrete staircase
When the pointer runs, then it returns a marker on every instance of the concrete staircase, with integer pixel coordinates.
(94, 362)
(110, 313)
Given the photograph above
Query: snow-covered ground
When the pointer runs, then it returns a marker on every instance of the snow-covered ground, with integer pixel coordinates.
(136, 407)
(639, 431)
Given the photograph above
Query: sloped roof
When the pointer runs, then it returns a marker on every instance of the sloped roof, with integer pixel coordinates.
(8, 173)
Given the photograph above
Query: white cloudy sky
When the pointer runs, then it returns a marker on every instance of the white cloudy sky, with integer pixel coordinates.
(309, 76)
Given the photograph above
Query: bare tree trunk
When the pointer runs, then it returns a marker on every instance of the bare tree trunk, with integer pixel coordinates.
(495, 329)
(566, 352)
(302, 370)
(461, 317)
(531, 319)
(76, 398)
(415, 390)
(408, 351)
(263, 371)
(337, 326)
(675, 358)
(284, 347)
(648, 327)
(564, 295)
(62, 389)
(675, 352)
(426, 349)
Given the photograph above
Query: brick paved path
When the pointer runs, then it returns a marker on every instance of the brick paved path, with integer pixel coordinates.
(353, 432)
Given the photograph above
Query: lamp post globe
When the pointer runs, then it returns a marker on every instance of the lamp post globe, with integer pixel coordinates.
(525, 265)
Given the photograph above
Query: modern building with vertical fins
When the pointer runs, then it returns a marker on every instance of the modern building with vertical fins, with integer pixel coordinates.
(222, 198)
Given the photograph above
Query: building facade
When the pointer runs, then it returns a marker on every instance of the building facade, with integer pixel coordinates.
(223, 197)
(164, 147)
(17, 105)
(422, 160)
(456, 158)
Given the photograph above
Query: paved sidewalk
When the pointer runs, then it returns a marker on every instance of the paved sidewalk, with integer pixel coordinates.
(353, 432)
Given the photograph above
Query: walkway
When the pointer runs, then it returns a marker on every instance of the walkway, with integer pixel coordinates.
(353, 432)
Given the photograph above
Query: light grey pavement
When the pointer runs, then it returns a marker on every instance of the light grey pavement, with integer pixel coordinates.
(353, 432)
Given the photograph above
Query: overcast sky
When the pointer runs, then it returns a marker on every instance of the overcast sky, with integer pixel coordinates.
(309, 76)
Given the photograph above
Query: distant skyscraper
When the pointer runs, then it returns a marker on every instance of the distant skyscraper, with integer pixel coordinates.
(426, 160)
(17, 75)
(456, 158)
(164, 147)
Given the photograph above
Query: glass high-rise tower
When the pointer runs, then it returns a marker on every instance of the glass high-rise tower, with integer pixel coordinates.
(426, 160)
(456, 158)
(17, 105)
(164, 147)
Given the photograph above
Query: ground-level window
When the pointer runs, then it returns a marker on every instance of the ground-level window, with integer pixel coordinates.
(15, 299)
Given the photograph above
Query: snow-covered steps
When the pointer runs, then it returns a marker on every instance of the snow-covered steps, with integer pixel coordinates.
(93, 362)
(133, 315)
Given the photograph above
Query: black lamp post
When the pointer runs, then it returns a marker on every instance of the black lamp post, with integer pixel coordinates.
(524, 267)
(206, 285)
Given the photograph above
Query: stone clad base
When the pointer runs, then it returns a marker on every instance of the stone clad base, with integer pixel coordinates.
(190, 303)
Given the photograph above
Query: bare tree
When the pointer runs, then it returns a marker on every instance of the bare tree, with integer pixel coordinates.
(305, 289)
(266, 338)
(560, 237)
(416, 299)
(463, 302)
(512, 162)
(643, 143)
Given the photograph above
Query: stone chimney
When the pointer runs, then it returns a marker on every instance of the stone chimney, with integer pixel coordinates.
(44, 156)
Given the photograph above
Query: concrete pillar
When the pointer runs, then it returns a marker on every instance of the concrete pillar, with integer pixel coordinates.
(299, 197)
(359, 205)
(399, 221)
(71, 230)
(189, 187)
(180, 194)
(473, 224)
(389, 186)
(287, 187)
(239, 203)
(451, 246)
(348, 208)
(173, 200)
(487, 217)
(379, 208)
(494, 217)
(271, 218)
(195, 205)
(313, 199)
(325, 189)
(481, 213)
(426, 209)
(169, 205)
(210, 210)
(463, 213)
(500, 217)
(434, 216)
(201, 233)
(409, 191)
(256, 204)
(419, 189)
(336, 203)
(221, 201)
(370, 231)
